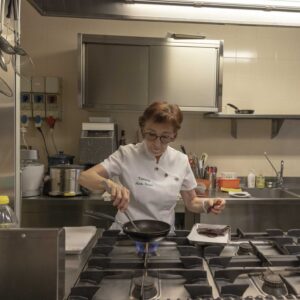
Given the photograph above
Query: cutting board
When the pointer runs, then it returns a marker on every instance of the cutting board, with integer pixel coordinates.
(77, 238)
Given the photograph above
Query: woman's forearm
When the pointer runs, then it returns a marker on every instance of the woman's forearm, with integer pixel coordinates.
(93, 179)
(202, 205)
(196, 205)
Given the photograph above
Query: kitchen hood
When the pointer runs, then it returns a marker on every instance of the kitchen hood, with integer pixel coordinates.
(172, 11)
(80, 8)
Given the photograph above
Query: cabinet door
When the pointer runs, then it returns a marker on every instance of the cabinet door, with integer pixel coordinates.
(116, 76)
(183, 75)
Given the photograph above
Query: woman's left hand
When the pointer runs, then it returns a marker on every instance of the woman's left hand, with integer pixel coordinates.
(215, 205)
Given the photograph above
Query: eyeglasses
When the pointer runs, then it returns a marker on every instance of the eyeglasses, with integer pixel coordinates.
(164, 139)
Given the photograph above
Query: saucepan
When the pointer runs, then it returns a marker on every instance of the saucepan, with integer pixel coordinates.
(148, 230)
(241, 111)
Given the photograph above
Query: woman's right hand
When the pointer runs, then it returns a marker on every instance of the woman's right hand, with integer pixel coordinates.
(119, 194)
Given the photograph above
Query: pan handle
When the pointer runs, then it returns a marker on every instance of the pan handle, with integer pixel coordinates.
(233, 106)
(99, 215)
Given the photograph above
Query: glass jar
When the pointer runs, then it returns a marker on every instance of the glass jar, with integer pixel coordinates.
(7, 216)
(260, 181)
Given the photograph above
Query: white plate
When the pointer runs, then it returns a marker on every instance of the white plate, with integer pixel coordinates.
(239, 194)
(197, 238)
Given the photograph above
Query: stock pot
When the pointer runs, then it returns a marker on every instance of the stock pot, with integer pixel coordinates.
(64, 180)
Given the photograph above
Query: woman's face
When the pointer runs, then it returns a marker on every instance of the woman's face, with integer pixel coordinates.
(157, 137)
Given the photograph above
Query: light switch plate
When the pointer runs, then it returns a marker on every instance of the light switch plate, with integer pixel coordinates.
(38, 84)
(26, 84)
(53, 85)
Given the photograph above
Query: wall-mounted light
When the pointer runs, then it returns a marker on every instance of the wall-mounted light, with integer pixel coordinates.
(180, 36)
(268, 5)
(242, 12)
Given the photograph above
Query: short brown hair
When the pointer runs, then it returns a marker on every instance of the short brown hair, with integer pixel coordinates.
(162, 112)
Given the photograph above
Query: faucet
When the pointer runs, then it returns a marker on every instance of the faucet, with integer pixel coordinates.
(279, 174)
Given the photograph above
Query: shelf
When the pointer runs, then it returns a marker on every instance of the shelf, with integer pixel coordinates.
(277, 120)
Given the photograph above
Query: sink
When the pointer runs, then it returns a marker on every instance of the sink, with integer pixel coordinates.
(275, 193)
(295, 191)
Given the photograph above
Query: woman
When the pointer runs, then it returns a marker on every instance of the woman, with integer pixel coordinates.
(152, 174)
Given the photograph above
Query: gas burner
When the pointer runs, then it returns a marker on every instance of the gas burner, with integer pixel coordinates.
(244, 249)
(144, 286)
(141, 249)
(273, 285)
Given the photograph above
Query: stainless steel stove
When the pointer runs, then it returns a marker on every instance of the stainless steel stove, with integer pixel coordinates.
(263, 265)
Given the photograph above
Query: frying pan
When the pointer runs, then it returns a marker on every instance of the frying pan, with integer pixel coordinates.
(241, 111)
(150, 230)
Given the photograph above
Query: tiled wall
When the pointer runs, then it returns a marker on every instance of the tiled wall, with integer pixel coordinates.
(261, 71)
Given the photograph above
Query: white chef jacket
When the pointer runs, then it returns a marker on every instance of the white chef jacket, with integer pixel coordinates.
(154, 187)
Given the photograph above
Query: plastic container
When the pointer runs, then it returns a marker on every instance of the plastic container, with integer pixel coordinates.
(229, 183)
(7, 216)
(228, 175)
(251, 179)
(260, 181)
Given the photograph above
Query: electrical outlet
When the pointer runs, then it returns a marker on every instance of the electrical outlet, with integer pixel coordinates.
(53, 106)
(38, 105)
(26, 104)
(38, 121)
(24, 120)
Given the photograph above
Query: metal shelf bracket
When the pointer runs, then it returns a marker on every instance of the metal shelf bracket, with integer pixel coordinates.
(233, 128)
(277, 121)
(276, 126)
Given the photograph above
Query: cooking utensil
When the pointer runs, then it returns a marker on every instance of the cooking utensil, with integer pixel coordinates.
(204, 157)
(13, 11)
(5, 88)
(202, 162)
(131, 221)
(108, 189)
(13, 14)
(149, 230)
(2, 59)
(2, 62)
(5, 46)
(241, 111)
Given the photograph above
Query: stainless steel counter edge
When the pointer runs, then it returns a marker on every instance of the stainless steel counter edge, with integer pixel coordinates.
(105, 201)
(74, 263)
